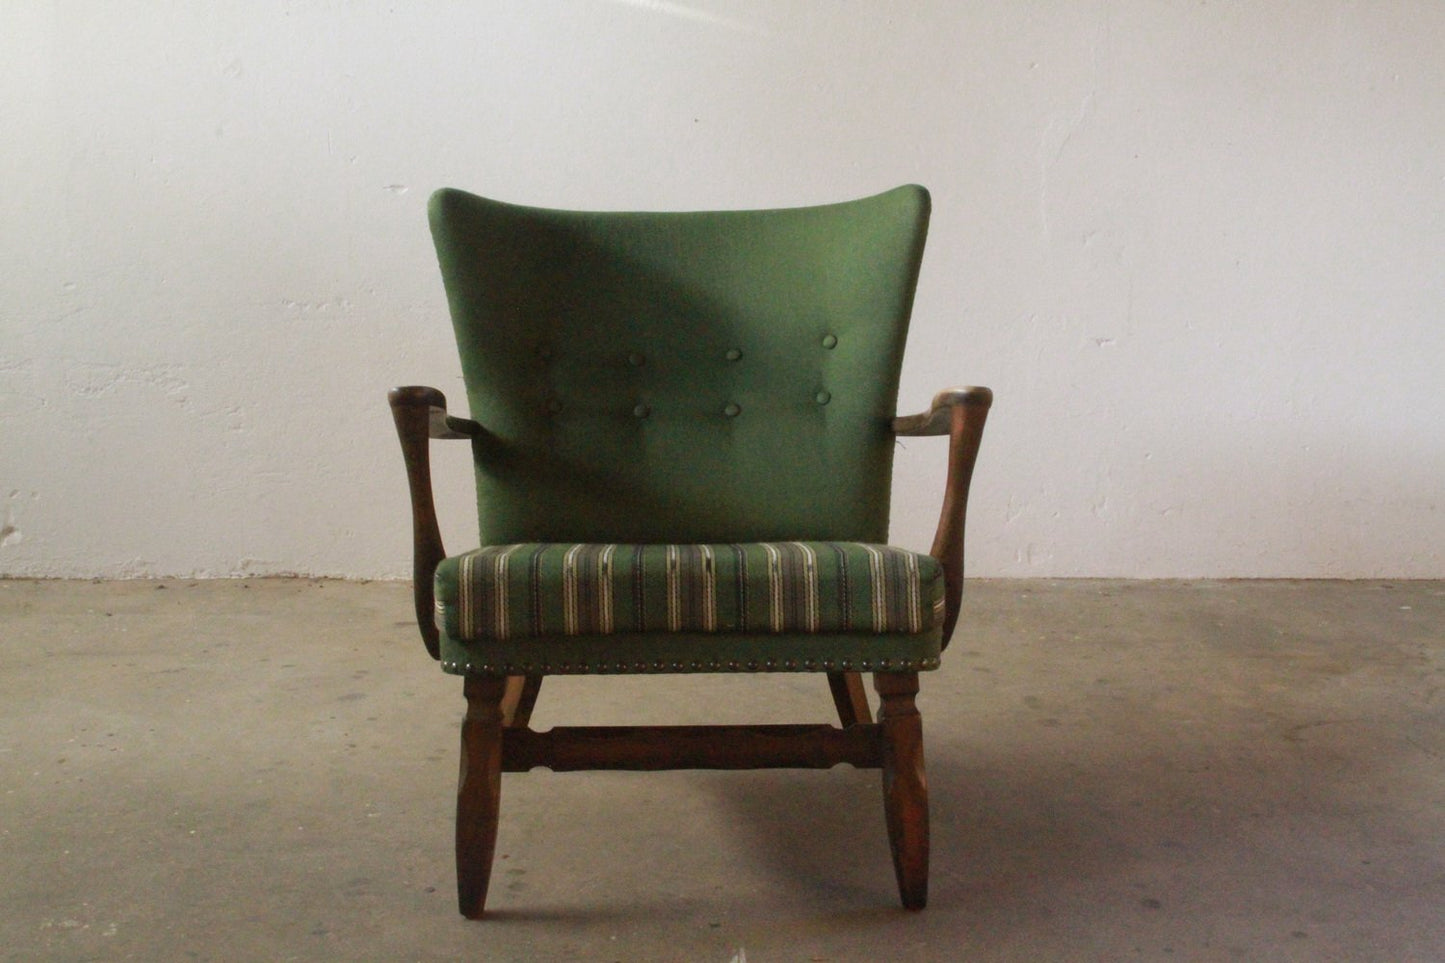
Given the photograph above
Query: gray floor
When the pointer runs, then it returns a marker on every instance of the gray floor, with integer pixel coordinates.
(264, 770)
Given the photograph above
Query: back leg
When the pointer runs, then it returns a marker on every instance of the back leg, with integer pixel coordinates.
(519, 699)
(850, 698)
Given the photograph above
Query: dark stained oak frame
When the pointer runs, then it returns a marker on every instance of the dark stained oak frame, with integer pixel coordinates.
(495, 733)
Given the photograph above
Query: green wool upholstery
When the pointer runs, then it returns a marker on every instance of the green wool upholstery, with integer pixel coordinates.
(686, 449)
(547, 589)
(682, 377)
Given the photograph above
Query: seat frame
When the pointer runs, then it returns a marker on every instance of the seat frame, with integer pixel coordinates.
(496, 736)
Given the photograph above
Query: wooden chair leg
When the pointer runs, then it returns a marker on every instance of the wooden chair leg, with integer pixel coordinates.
(905, 785)
(479, 791)
(519, 700)
(850, 698)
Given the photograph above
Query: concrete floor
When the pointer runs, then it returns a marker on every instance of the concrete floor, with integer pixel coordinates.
(264, 770)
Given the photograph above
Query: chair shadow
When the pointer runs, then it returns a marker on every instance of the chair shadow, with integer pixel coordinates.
(1008, 833)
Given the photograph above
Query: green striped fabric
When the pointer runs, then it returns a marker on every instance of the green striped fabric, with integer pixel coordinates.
(559, 589)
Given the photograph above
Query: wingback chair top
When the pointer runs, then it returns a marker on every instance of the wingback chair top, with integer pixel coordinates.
(683, 429)
(686, 377)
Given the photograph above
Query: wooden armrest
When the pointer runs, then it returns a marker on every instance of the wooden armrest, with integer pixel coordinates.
(440, 425)
(420, 414)
(938, 419)
(959, 413)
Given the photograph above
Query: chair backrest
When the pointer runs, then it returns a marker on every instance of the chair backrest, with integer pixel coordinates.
(682, 377)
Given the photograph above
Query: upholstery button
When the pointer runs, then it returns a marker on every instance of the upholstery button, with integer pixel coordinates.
(636, 360)
(554, 405)
(733, 354)
(823, 397)
(641, 411)
(732, 410)
(830, 341)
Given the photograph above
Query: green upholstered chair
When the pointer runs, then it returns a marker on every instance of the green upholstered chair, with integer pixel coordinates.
(683, 428)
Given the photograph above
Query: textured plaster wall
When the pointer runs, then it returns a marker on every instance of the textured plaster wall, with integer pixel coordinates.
(1195, 247)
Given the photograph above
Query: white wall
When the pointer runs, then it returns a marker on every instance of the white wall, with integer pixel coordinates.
(1196, 248)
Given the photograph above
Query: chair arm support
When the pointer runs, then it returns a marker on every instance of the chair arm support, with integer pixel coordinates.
(439, 423)
(959, 413)
(938, 419)
(420, 414)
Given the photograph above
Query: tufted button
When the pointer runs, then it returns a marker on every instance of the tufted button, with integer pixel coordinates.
(641, 411)
(733, 354)
(732, 410)
(636, 360)
(830, 341)
(822, 397)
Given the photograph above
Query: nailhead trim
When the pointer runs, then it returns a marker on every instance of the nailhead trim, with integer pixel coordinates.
(661, 666)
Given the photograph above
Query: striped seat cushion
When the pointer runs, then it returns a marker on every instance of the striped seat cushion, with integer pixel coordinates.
(558, 589)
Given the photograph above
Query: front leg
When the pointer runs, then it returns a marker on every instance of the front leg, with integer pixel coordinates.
(905, 784)
(479, 791)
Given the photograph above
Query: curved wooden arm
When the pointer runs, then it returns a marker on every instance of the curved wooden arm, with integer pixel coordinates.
(938, 419)
(420, 414)
(959, 413)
